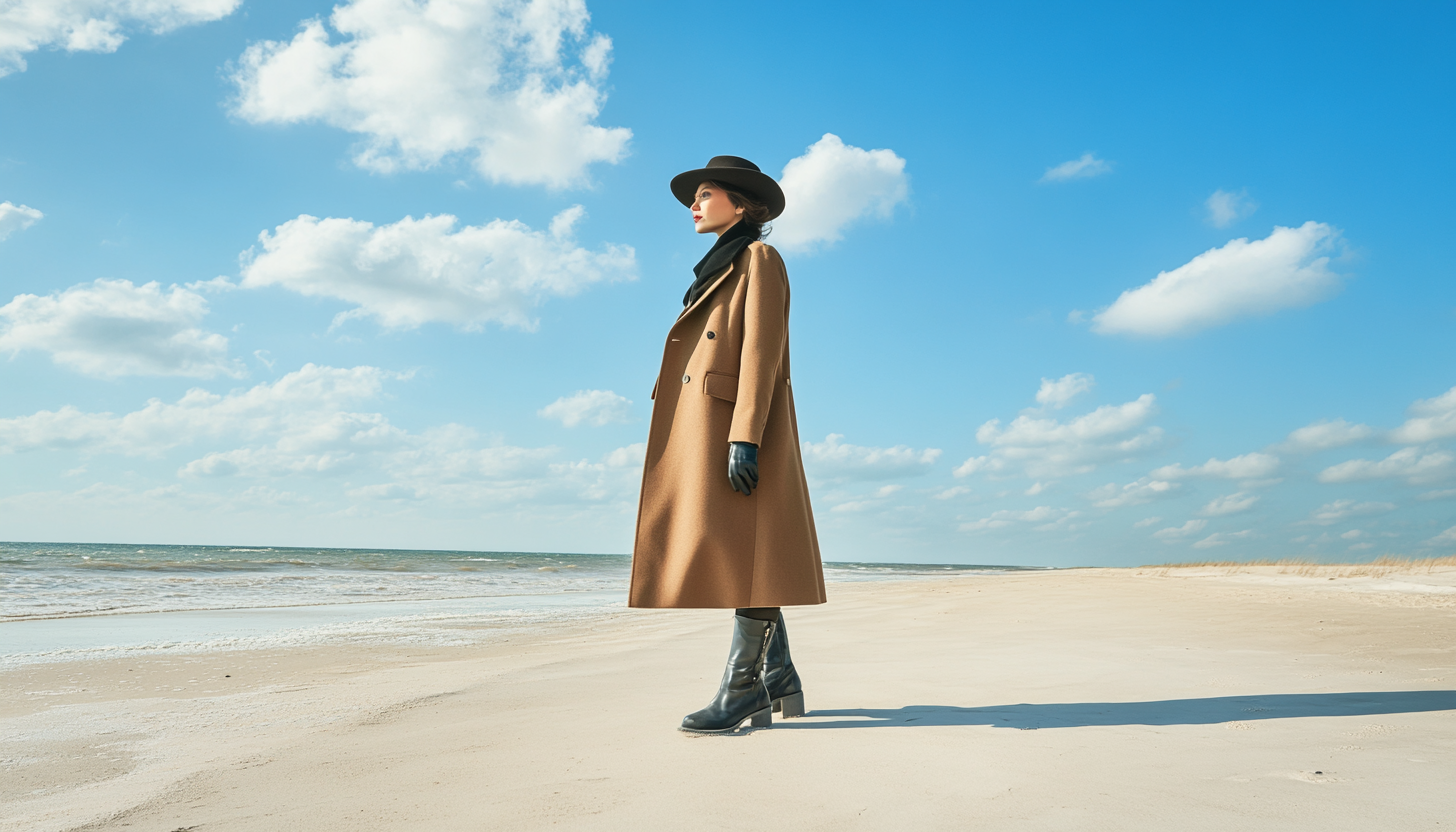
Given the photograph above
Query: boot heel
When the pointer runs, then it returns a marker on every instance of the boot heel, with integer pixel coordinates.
(762, 719)
(791, 705)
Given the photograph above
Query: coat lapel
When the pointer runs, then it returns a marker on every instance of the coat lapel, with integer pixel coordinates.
(709, 291)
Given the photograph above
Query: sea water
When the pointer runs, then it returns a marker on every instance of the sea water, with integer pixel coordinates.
(62, 601)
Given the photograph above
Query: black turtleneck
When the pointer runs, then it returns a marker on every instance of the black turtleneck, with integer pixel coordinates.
(721, 254)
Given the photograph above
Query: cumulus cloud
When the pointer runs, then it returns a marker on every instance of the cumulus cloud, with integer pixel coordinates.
(513, 86)
(1222, 539)
(92, 25)
(1248, 466)
(594, 407)
(1446, 538)
(1135, 493)
(1229, 504)
(833, 185)
(418, 271)
(1287, 269)
(1226, 208)
(1059, 393)
(1188, 529)
(833, 459)
(1046, 518)
(1430, 419)
(310, 424)
(14, 217)
(1415, 465)
(1331, 513)
(112, 328)
(1046, 447)
(1322, 436)
(299, 404)
(1084, 167)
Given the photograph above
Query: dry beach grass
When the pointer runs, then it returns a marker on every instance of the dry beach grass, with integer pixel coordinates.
(1207, 697)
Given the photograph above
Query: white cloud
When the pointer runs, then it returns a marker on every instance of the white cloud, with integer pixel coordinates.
(1446, 538)
(1354, 534)
(594, 407)
(1331, 513)
(1145, 522)
(864, 505)
(836, 460)
(831, 186)
(1415, 465)
(300, 405)
(1135, 493)
(1430, 419)
(1229, 504)
(1188, 529)
(14, 217)
(417, 271)
(1226, 207)
(112, 328)
(1046, 447)
(306, 426)
(1059, 393)
(1248, 466)
(1047, 516)
(1322, 436)
(952, 492)
(1222, 539)
(513, 86)
(92, 25)
(1287, 269)
(1085, 167)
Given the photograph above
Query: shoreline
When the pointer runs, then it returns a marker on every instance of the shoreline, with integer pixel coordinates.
(1129, 699)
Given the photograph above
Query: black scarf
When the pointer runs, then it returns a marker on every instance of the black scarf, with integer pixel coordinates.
(720, 255)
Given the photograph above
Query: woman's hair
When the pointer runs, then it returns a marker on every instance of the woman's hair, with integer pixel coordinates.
(755, 213)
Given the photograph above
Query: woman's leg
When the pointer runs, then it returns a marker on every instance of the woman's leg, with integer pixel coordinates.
(742, 695)
(779, 675)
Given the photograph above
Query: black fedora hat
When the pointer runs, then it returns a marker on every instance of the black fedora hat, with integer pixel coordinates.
(735, 171)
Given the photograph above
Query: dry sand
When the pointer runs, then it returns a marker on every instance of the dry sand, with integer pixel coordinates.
(1150, 699)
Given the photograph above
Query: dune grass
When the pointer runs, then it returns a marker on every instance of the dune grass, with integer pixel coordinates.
(1304, 567)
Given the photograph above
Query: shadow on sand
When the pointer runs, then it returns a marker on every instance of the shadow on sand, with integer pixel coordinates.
(1163, 712)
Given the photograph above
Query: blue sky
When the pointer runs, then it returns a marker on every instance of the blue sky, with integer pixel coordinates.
(1111, 284)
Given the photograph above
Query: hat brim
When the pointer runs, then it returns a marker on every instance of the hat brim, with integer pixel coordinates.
(757, 183)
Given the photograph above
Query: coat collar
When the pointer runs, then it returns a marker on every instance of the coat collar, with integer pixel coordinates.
(723, 252)
(717, 281)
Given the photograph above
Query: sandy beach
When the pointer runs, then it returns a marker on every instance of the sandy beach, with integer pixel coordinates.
(1131, 699)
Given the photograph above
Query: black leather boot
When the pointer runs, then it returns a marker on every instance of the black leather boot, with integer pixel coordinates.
(779, 675)
(742, 695)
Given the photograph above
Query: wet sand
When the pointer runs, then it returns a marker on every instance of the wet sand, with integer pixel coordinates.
(1147, 699)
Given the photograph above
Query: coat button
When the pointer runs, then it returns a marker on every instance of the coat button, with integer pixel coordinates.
(687, 379)
(711, 336)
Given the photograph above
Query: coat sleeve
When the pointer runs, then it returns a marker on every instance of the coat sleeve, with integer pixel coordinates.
(765, 327)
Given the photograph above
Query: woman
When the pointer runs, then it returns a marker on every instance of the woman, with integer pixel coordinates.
(746, 541)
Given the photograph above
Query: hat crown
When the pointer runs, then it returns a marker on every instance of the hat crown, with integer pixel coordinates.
(732, 162)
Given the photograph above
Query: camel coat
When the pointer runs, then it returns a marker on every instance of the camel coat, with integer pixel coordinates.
(725, 378)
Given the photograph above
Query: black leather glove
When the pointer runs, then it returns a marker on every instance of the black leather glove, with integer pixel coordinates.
(743, 467)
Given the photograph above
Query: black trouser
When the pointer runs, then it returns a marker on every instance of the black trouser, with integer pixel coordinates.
(759, 613)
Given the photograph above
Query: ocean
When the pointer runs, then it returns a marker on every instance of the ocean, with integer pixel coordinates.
(62, 601)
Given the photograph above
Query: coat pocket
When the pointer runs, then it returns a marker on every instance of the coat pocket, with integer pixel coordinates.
(721, 386)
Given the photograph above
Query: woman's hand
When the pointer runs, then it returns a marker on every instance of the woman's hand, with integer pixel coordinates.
(743, 467)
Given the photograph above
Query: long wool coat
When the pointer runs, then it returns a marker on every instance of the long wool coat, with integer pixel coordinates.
(725, 378)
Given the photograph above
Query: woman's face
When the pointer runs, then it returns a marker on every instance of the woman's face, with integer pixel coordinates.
(713, 210)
